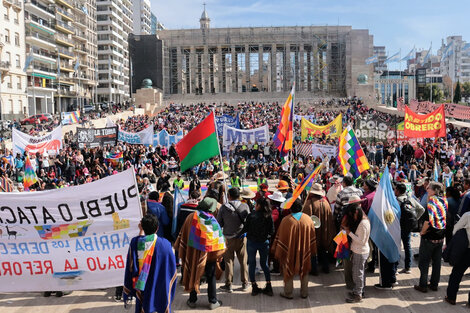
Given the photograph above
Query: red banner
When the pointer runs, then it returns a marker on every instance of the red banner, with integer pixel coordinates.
(451, 109)
(432, 125)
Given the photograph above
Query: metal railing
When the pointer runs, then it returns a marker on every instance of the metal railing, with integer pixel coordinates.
(63, 37)
(41, 6)
(38, 20)
(39, 36)
(42, 53)
(44, 69)
(64, 25)
(64, 51)
(63, 12)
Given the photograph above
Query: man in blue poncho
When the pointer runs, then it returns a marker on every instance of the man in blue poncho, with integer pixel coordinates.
(150, 274)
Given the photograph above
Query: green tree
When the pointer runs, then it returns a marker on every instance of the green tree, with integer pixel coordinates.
(466, 89)
(437, 93)
(457, 93)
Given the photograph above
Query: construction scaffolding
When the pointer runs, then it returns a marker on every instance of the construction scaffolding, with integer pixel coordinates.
(262, 59)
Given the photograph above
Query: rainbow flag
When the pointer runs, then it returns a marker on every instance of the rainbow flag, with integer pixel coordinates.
(75, 116)
(350, 155)
(145, 249)
(5, 184)
(285, 131)
(114, 158)
(30, 177)
(206, 234)
(342, 246)
(437, 207)
(306, 184)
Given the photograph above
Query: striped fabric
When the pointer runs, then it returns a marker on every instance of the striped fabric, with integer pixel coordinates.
(30, 177)
(284, 134)
(304, 149)
(350, 155)
(437, 207)
(5, 184)
(306, 184)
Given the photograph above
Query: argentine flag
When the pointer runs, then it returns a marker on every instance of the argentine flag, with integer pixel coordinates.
(393, 58)
(384, 216)
(410, 55)
(372, 59)
(177, 202)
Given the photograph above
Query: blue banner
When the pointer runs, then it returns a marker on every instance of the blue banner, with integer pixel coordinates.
(164, 139)
(226, 120)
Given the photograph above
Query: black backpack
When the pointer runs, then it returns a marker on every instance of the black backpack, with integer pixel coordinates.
(408, 219)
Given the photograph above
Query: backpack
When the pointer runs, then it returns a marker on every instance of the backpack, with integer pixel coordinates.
(408, 219)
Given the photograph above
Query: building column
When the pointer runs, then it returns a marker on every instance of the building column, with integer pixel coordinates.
(247, 79)
(192, 70)
(287, 69)
(205, 71)
(261, 81)
(234, 72)
(273, 67)
(220, 71)
(301, 73)
(179, 89)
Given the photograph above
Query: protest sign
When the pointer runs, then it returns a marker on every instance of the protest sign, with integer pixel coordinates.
(71, 238)
(96, 137)
(164, 139)
(451, 109)
(144, 137)
(307, 117)
(258, 135)
(50, 142)
(430, 125)
(69, 118)
(332, 129)
(374, 129)
(322, 150)
(228, 120)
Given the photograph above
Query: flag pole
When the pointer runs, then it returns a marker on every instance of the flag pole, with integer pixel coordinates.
(220, 157)
(293, 122)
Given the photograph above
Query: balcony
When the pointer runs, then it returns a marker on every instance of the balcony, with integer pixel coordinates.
(62, 14)
(65, 3)
(5, 65)
(81, 49)
(80, 35)
(39, 39)
(8, 3)
(39, 23)
(44, 55)
(17, 5)
(80, 23)
(64, 27)
(33, 6)
(64, 40)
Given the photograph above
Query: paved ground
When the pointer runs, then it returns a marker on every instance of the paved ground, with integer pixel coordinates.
(326, 294)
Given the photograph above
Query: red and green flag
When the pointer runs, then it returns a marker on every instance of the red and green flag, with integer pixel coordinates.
(199, 144)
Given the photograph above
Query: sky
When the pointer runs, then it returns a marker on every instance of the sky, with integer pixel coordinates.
(395, 24)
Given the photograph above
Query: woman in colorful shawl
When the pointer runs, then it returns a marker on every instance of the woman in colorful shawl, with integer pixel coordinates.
(432, 237)
(200, 245)
(150, 274)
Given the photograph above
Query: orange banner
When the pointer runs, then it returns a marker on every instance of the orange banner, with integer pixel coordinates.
(432, 125)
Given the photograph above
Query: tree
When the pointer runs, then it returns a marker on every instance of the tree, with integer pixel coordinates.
(437, 93)
(466, 89)
(457, 93)
(448, 85)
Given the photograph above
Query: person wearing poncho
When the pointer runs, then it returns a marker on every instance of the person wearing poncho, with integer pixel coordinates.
(200, 245)
(293, 247)
(150, 274)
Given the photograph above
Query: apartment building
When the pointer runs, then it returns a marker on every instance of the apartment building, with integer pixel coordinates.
(13, 101)
(114, 24)
(142, 17)
(455, 59)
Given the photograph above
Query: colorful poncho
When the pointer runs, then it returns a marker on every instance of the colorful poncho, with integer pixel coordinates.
(437, 208)
(145, 249)
(206, 234)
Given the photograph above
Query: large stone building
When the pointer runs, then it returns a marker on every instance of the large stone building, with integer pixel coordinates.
(322, 60)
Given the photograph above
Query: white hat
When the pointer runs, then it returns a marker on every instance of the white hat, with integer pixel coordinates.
(317, 189)
(219, 176)
(277, 196)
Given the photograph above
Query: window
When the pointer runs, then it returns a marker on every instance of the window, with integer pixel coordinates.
(10, 104)
(18, 85)
(18, 61)
(7, 35)
(17, 39)
(7, 14)
(17, 18)
(8, 57)
(9, 82)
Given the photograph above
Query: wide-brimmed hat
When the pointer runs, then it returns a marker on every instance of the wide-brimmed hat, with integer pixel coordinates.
(354, 199)
(335, 178)
(282, 185)
(246, 193)
(220, 176)
(277, 196)
(207, 205)
(420, 182)
(317, 189)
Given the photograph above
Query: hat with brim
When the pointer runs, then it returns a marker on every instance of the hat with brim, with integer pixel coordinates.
(335, 179)
(207, 205)
(317, 189)
(354, 199)
(420, 183)
(219, 176)
(277, 196)
(371, 183)
(246, 193)
(282, 185)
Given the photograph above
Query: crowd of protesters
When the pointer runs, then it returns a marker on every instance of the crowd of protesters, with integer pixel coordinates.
(257, 223)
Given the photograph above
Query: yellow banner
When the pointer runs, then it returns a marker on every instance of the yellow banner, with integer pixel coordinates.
(310, 130)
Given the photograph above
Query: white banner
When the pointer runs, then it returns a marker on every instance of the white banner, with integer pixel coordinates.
(144, 137)
(68, 239)
(321, 150)
(51, 142)
(258, 135)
